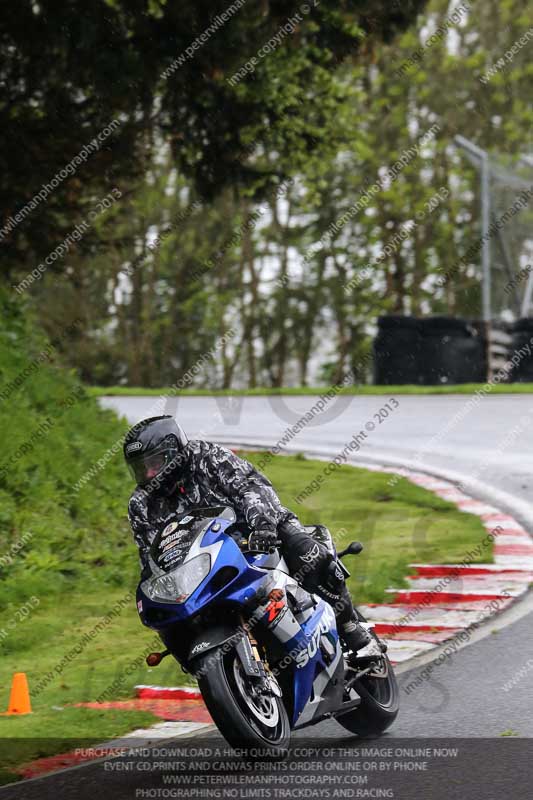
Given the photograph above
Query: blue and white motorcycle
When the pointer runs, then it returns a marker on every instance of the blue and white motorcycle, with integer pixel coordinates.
(266, 653)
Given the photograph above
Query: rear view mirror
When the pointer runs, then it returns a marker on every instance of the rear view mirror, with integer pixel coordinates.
(353, 549)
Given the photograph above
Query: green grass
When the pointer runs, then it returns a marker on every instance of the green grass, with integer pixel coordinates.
(72, 551)
(38, 645)
(463, 388)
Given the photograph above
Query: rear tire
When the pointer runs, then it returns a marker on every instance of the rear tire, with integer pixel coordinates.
(245, 721)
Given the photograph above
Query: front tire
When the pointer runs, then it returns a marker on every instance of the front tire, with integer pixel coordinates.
(380, 700)
(244, 720)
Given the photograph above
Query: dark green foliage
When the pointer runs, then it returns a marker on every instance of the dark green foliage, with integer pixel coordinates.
(69, 68)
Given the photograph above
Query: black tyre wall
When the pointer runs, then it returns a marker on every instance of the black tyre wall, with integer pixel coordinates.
(432, 351)
(522, 334)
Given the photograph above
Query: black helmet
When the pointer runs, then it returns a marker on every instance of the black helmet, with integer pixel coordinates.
(153, 451)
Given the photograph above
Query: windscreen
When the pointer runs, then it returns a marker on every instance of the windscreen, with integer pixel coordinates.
(171, 545)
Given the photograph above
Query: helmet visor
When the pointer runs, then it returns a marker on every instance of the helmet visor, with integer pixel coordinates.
(147, 467)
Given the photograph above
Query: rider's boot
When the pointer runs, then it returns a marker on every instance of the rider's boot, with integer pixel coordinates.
(354, 635)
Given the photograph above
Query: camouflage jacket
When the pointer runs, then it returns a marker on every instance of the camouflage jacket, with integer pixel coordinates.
(214, 476)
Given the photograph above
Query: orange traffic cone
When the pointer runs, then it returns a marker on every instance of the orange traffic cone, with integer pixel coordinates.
(19, 699)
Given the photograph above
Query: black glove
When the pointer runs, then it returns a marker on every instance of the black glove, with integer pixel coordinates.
(146, 573)
(333, 578)
(264, 541)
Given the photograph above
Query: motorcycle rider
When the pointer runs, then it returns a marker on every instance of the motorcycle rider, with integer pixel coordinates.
(174, 474)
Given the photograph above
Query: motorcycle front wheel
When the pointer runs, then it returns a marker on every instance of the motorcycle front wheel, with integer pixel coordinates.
(253, 722)
(380, 699)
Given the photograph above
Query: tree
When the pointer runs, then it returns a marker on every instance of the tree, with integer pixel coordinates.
(70, 69)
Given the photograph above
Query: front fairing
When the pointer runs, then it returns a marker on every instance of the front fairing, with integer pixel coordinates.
(238, 579)
(233, 578)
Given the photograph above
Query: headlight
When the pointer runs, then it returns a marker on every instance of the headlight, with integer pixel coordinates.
(178, 585)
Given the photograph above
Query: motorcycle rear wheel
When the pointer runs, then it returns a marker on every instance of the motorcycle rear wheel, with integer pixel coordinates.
(258, 724)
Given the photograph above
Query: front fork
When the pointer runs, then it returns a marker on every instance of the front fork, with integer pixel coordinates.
(255, 667)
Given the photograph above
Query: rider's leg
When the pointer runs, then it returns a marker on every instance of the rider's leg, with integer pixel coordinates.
(317, 570)
(354, 635)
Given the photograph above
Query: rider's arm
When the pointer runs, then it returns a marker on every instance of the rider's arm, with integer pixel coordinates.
(250, 492)
(140, 525)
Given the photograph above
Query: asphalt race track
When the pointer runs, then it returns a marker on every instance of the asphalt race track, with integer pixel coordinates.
(492, 438)
(464, 699)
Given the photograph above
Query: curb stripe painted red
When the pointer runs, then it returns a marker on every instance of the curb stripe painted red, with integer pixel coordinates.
(470, 588)
(431, 598)
(441, 571)
(167, 693)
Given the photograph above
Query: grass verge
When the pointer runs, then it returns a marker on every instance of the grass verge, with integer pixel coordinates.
(463, 388)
